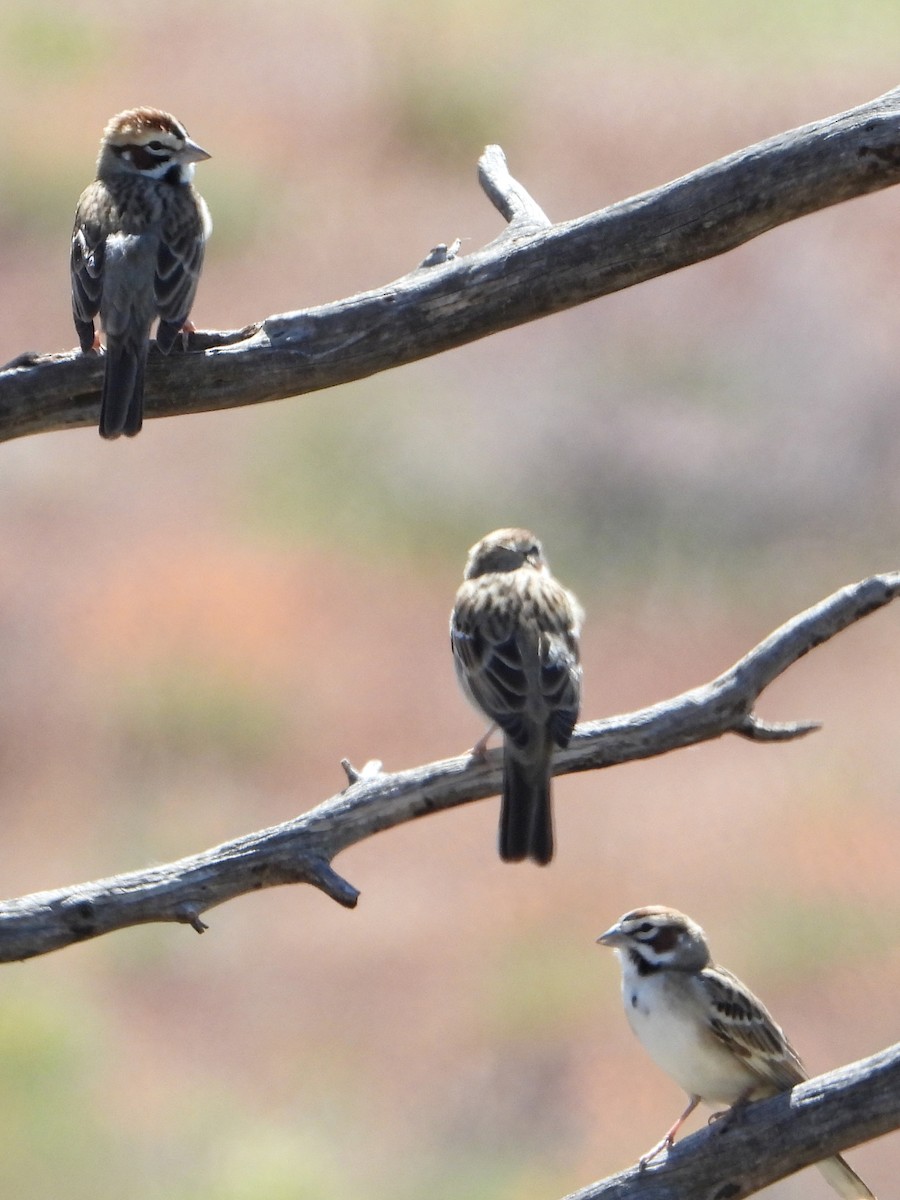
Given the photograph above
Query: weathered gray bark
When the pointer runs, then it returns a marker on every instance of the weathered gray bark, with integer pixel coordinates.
(532, 269)
(302, 850)
(770, 1139)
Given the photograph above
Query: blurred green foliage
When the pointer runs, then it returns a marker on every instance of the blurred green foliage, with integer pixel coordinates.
(709, 31)
(403, 465)
(347, 466)
(37, 196)
(49, 43)
(795, 938)
(476, 1176)
(193, 711)
(61, 1134)
(537, 982)
(277, 1161)
(449, 113)
(50, 1129)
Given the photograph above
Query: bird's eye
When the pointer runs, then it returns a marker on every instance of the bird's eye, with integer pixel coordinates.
(156, 145)
(645, 928)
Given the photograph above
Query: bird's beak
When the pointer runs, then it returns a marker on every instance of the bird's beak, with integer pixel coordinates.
(193, 153)
(612, 937)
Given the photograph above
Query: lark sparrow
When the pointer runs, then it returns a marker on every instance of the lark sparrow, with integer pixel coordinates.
(137, 249)
(514, 633)
(703, 1026)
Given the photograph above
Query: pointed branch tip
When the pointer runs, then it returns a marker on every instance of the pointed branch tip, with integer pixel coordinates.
(189, 914)
(370, 770)
(754, 729)
(508, 196)
(323, 876)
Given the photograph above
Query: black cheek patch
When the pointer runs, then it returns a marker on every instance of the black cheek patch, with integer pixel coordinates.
(664, 939)
(143, 158)
(643, 967)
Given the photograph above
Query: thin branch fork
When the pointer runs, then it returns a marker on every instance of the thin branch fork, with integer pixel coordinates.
(532, 269)
(302, 850)
(771, 1139)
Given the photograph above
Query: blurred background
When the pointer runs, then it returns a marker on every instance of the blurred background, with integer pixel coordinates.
(195, 627)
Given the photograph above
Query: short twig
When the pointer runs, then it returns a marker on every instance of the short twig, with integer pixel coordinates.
(508, 196)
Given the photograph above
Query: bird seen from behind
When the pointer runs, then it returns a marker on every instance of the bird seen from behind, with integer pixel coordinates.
(514, 632)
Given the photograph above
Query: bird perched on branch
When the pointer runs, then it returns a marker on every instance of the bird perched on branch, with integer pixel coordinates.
(137, 249)
(703, 1026)
(514, 633)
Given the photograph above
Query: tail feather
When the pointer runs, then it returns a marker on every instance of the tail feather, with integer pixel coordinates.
(168, 332)
(844, 1179)
(122, 399)
(526, 818)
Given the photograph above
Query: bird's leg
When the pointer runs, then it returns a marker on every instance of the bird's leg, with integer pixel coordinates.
(479, 750)
(88, 337)
(725, 1119)
(669, 1140)
(186, 330)
(180, 338)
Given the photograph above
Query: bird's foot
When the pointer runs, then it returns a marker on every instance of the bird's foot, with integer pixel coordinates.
(186, 330)
(479, 750)
(661, 1147)
(724, 1120)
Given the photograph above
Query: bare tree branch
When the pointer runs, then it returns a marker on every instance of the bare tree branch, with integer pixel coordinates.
(301, 850)
(771, 1139)
(532, 269)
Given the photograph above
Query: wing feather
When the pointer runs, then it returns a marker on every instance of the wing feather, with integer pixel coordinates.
(744, 1024)
(86, 262)
(178, 266)
(517, 655)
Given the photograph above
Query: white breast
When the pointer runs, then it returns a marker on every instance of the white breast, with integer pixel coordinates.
(666, 1014)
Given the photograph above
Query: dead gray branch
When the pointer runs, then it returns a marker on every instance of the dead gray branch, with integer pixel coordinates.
(772, 1139)
(302, 850)
(532, 269)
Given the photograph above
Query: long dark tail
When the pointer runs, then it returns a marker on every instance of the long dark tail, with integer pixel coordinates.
(122, 400)
(526, 818)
